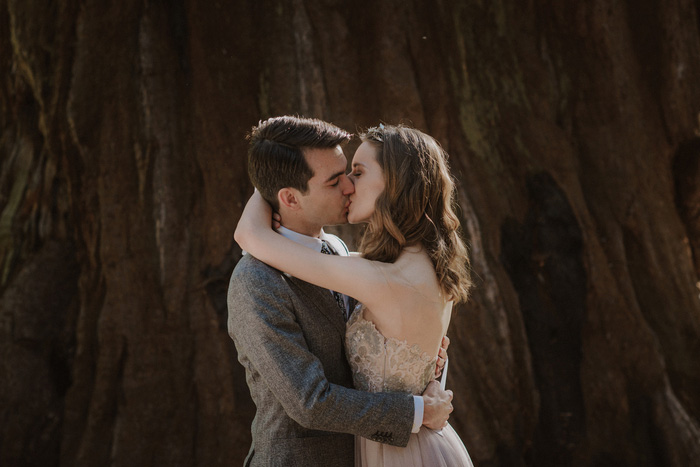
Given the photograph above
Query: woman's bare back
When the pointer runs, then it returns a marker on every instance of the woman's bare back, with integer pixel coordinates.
(410, 306)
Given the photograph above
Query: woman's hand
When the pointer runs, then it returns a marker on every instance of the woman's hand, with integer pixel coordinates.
(276, 220)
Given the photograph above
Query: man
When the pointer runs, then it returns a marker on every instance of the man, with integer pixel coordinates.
(289, 334)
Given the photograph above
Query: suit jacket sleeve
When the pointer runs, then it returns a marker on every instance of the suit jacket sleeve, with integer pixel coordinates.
(263, 325)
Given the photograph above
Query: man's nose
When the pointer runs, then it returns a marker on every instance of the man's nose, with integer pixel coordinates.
(348, 186)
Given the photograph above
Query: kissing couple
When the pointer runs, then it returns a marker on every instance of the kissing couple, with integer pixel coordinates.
(341, 350)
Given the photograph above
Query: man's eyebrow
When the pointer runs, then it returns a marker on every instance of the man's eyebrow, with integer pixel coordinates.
(335, 175)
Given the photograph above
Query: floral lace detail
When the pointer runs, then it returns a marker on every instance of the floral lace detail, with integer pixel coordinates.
(382, 364)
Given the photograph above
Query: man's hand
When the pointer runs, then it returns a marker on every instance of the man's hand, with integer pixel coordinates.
(437, 406)
(442, 356)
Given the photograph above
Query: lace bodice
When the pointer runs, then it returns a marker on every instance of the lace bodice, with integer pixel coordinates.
(381, 364)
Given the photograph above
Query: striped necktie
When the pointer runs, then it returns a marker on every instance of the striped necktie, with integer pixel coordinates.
(327, 250)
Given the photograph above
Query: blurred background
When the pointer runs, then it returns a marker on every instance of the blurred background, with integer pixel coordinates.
(573, 132)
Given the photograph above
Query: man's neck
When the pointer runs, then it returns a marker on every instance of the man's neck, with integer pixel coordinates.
(304, 229)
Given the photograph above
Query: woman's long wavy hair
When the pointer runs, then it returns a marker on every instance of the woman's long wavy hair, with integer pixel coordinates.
(416, 206)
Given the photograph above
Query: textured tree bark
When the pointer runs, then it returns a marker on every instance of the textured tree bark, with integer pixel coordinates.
(573, 133)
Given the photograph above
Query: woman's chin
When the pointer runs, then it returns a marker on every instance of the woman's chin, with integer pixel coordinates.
(354, 220)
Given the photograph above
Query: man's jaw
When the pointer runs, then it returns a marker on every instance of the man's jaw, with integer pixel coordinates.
(342, 218)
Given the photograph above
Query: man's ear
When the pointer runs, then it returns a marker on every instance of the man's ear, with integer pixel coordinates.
(289, 197)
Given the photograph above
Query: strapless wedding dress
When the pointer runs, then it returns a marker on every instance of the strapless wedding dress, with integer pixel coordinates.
(382, 364)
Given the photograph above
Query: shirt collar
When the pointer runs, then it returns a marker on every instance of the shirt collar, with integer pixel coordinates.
(310, 242)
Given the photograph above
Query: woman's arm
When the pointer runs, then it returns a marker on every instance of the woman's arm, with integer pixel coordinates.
(357, 277)
(277, 223)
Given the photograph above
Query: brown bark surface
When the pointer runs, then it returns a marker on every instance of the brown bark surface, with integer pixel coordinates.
(573, 133)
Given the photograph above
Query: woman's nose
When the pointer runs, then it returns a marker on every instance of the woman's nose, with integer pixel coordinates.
(349, 185)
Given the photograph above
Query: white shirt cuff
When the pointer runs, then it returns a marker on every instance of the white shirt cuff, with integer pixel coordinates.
(417, 413)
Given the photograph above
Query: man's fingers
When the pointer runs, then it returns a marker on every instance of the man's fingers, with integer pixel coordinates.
(449, 393)
(442, 354)
(445, 342)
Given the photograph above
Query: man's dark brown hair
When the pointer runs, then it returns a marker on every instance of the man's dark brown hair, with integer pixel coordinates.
(276, 153)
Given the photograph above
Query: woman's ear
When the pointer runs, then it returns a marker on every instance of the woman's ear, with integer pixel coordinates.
(288, 197)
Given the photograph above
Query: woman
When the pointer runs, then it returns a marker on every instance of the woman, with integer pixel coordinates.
(413, 268)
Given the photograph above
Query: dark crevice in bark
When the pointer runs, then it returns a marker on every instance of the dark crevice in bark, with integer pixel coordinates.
(37, 310)
(645, 25)
(543, 259)
(686, 177)
(177, 19)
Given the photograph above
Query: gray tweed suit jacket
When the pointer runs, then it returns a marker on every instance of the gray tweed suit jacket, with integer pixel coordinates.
(290, 335)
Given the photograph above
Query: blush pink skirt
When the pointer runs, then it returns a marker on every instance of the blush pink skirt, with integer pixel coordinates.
(426, 448)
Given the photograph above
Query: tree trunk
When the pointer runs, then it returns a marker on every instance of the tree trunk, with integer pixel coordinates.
(573, 133)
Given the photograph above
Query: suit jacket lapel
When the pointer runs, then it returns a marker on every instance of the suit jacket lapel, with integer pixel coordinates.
(323, 301)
